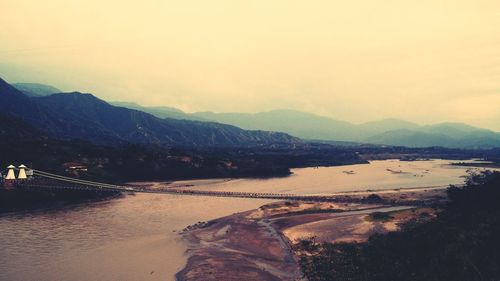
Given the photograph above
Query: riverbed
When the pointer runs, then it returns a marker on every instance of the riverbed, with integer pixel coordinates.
(136, 237)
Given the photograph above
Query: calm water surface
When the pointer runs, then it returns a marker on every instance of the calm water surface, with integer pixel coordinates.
(130, 238)
(384, 174)
(133, 238)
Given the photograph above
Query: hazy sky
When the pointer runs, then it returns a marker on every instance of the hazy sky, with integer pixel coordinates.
(426, 61)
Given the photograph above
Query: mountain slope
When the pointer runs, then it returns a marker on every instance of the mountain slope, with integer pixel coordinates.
(15, 129)
(308, 125)
(83, 116)
(159, 111)
(299, 124)
(386, 131)
(424, 137)
(410, 138)
(385, 125)
(455, 130)
(35, 89)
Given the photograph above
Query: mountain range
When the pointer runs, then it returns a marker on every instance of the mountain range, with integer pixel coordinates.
(314, 127)
(83, 116)
(299, 124)
(387, 131)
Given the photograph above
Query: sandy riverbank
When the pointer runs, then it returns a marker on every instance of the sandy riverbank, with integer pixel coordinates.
(164, 185)
(258, 244)
(238, 247)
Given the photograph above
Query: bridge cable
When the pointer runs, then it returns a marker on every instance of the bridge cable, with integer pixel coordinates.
(82, 182)
(41, 173)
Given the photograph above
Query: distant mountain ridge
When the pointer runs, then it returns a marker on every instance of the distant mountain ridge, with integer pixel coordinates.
(159, 111)
(83, 116)
(387, 131)
(296, 123)
(35, 89)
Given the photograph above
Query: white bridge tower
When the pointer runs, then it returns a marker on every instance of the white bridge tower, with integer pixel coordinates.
(10, 173)
(22, 173)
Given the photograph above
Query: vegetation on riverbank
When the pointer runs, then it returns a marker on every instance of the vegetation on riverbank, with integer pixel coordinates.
(460, 244)
(149, 162)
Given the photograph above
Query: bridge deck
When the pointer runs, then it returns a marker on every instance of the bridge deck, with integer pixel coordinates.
(337, 197)
(53, 181)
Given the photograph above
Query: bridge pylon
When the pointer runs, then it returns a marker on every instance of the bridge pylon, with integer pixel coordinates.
(10, 178)
(22, 173)
(10, 173)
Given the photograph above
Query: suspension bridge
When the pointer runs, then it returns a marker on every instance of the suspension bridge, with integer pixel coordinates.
(37, 179)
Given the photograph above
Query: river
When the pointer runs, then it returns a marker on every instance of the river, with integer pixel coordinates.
(135, 237)
(383, 174)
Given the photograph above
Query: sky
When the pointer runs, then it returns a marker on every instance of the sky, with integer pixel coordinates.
(425, 61)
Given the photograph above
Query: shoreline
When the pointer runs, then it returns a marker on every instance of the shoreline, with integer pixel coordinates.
(260, 244)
